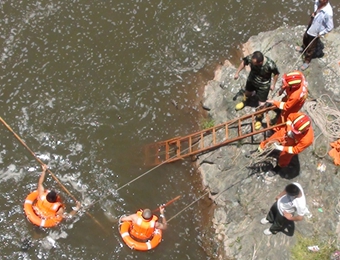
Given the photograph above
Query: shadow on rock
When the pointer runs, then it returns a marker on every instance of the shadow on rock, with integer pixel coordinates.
(292, 170)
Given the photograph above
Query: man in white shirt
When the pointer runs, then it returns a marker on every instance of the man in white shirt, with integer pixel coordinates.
(321, 23)
(290, 205)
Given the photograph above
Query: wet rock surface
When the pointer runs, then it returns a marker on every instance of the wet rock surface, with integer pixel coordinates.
(243, 195)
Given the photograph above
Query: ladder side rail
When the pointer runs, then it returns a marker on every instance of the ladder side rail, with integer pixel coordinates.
(226, 142)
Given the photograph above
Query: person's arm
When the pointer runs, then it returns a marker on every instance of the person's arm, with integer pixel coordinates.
(291, 217)
(131, 218)
(72, 213)
(329, 25)
(41, 188)
(164, 224)
(281, 194)
(241, 67)
(276, 76)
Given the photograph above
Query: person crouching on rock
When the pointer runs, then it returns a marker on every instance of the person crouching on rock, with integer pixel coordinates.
(144, 223)
(290, 206)
(290, 140)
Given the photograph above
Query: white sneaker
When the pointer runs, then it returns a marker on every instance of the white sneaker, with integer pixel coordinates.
(267, 232)
(264, 221)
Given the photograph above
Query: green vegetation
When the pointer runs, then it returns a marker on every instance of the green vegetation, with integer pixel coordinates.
(207, 123)
(300, 249)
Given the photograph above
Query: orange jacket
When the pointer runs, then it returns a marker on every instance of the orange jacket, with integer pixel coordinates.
(143, 229)
(291, 145)
(299, 142)
(46, 209)
(294, 99)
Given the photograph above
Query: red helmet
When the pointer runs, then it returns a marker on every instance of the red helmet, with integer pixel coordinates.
(292, 79)
(301, 124)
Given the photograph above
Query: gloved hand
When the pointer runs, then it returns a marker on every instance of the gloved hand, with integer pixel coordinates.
(290, 134)
(278, 147)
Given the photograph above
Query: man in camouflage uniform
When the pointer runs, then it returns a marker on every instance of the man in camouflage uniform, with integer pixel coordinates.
(259, 80)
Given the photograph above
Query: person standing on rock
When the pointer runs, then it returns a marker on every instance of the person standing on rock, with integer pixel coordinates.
(294, 86)
(321, 23)
(259, 80)
(290, 206)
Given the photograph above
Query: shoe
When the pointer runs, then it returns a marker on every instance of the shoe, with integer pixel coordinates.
(299, 49)
(258, 125)
(240, 106)
(264, 221)
(267, 232)
(304, 66)
(270, 173)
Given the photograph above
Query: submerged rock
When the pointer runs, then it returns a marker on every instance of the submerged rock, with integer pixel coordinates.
(243, 195)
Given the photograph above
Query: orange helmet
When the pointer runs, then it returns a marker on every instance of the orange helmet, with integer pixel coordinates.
(292, 79)
(301, 124)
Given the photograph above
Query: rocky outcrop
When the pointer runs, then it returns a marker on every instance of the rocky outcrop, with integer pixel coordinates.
(241, 194)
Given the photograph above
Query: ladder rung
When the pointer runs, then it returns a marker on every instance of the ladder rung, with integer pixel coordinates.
(202, 141)
(226, 131)
(214, 136)
(190, 144)
(178, 151)
(267, 120)
(167, 155)
(252, 122)
(239, 128)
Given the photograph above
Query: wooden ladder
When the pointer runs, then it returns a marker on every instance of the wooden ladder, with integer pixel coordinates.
(208, 139)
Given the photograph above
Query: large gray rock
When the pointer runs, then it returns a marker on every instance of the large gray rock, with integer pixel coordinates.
(242, 198)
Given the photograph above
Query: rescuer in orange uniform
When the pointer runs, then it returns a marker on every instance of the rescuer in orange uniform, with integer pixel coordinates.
(48, 202)
(144, 223)
(290, 140)
(294, 85)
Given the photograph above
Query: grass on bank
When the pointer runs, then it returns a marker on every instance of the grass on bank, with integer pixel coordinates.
(206, 123)
(300, 249)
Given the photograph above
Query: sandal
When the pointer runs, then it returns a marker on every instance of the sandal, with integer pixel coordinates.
(299, 49)
(304, 66)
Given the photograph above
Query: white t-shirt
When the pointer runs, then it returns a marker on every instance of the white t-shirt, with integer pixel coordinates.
(291, 205)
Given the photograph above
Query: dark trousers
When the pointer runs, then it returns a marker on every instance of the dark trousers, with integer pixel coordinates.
(278, 221)
(314, 42)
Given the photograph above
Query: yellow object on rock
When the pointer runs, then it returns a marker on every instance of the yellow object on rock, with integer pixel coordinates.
(239, 106)
(258, 125)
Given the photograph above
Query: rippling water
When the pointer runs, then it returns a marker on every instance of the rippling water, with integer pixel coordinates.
(86, 84)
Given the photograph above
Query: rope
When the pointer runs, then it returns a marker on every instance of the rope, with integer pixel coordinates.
(133, 180)
(326, 117)
(187, 206)
(304, 51)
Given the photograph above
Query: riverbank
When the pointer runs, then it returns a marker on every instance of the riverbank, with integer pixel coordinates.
(242, 196)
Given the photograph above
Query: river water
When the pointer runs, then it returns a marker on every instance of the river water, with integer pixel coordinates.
(87, 84)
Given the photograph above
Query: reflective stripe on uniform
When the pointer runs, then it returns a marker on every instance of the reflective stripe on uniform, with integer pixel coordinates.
(28, 202)
(290, 149)
(282, 104)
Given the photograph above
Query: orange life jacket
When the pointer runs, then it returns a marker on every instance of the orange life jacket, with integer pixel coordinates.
(46, 209)
(143, 229)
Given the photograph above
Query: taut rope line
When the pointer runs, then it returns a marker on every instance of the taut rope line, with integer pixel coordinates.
(128, 183)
